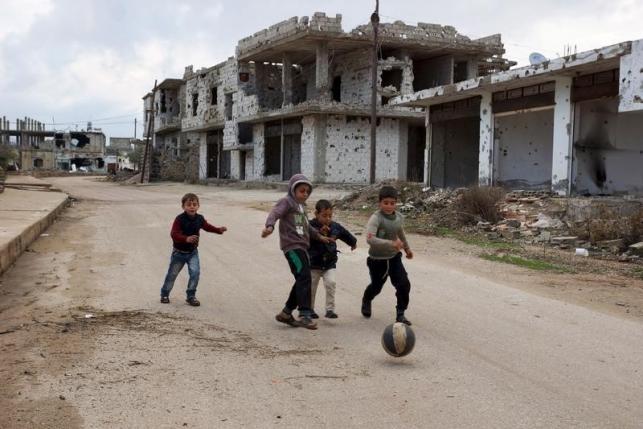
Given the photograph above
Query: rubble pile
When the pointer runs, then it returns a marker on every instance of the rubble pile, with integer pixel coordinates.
(527, 217)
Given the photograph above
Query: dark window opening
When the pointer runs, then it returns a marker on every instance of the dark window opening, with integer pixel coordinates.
(228, 107)
(213, 95)
(38, 163)
(195, 103)
(385, 100)
(100, 162)
(245, 133)
(79, 139)
(163, 105)
(337, 88)
(273, 155)
(460, 71)
(392, 78)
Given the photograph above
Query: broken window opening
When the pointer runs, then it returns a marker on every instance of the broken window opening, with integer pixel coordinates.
(228, 107)
(195, 103)
(273, 155)
(79, 140)
(100, 162)
(460, 71)
(245, 133)
(393, 78)
(163, 105)
(213, 95)
(337, 88)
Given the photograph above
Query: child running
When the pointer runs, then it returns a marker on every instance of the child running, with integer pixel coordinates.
(294, 240)
(386, 238)
(323, 256)
(185, 238)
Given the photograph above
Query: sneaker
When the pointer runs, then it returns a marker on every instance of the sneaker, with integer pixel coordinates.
(193, 301)
(165, 300)
(330, 314)
(306, 322)
(286, 318)
(402, 319)
(314, 315)
(366, 308)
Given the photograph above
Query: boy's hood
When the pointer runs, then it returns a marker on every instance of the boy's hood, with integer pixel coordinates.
(295, 180)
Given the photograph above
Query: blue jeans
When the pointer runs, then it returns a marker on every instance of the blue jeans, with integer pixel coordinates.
(177, 261)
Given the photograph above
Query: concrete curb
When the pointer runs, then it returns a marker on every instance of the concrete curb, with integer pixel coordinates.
(10, 252)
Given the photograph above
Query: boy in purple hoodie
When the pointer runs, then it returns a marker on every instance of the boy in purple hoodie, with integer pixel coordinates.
(294, 239)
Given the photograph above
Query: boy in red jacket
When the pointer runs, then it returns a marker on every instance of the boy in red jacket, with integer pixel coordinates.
(185, 236)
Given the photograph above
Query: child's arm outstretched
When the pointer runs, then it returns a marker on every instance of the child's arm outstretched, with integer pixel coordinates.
(405, 244)
(211, 228)
(347, 237)
(277, 212)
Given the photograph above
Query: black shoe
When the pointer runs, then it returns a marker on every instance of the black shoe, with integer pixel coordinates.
(314, 315)
(402, 319)
(165, 300)
(193, 301)
(366, 308)
(330, 314)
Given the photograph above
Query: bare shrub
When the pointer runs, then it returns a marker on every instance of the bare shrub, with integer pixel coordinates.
(608, 224)
(480, 203)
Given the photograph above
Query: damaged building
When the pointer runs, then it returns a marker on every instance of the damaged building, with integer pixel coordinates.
(42, 149)
(297, 96)
(571, 125)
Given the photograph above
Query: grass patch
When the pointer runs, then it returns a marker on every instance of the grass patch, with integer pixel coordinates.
(637, 272)
(532, 264)
(474, 240)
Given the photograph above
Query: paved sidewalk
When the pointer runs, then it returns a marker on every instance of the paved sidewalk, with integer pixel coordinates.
(24, 215)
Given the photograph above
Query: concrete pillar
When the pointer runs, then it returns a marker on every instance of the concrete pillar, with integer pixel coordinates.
(286, 79)
(322, 81)
(485, 164)
(319, 160)
(472, 68)
(563, 132)
(406, 88)
(427, 149)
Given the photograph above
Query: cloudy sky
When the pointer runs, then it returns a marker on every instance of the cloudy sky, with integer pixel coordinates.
(71, 61)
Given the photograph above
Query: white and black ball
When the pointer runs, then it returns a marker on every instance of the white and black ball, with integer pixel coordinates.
(398, 339)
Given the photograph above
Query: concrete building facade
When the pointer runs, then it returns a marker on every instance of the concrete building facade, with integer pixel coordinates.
(572, 125)
(296, 98)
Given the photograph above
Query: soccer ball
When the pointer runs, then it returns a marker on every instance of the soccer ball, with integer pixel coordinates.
(398, 339)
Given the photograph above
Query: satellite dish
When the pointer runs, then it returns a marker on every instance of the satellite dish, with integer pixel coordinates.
(536, 58)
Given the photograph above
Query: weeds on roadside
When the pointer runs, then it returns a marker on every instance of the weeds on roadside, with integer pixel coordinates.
(480, 203)
(533, 264)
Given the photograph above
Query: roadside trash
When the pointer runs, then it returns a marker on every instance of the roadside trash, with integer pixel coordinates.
(44, 235)
(582, 252)
(89, 316)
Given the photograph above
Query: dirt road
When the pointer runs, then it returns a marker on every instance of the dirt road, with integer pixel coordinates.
(86, 343)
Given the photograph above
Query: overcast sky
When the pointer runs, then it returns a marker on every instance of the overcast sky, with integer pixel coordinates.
(71, 61)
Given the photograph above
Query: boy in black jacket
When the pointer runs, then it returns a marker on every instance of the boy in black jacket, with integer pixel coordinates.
(323, 256)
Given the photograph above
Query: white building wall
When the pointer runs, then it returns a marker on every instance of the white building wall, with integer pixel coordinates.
(563, 125)
(348, 149)
(524, 149)
(631, 79)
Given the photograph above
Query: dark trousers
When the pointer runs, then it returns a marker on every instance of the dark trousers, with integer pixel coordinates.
(380, 270)
(300, 292)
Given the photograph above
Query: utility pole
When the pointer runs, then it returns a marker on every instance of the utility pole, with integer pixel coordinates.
(375, 20)
(150, 129)
(134, 128)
